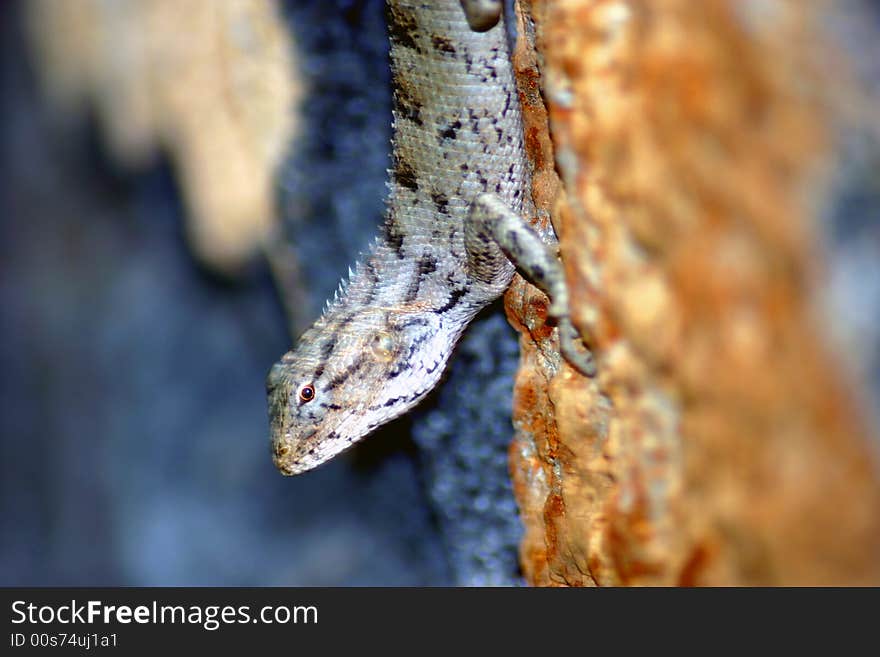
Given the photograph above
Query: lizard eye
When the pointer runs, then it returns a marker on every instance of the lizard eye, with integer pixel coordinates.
(307, 393)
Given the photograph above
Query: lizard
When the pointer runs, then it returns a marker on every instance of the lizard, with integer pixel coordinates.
(452, 239)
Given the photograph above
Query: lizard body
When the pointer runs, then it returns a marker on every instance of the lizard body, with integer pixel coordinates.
(452, 227)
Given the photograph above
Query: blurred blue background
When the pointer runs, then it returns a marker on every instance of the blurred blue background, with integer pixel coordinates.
(133, 422)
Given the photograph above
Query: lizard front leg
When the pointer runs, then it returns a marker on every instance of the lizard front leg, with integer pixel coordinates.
(495, 234)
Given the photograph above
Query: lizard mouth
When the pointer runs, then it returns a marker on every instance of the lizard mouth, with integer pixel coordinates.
(287, 453)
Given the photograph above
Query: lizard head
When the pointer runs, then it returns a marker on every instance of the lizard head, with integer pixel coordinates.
(347, 375)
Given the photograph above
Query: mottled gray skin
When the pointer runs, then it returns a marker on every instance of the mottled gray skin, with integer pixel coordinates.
(456, 194)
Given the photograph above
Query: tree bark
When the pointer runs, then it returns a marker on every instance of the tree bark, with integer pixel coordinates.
(721, 442)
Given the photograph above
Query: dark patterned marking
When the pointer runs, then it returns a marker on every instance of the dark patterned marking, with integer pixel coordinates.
(330, 344)
(372, 273)
(341, 378)
(402, 29)
(474, 119)
(428, 264)
(513, 240)
(374, 283)
(393, 401)
(405, 364)
(449, 131)
(454, 297)
(442, 44)
(412, 291)
(404, 174)
(441, 201)
(345, 321)
(412, 320)
(407, 106)
(393, 236)
(327, 347)
(415, 346)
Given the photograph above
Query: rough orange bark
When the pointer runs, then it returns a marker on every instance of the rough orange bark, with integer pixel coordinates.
(720, 443)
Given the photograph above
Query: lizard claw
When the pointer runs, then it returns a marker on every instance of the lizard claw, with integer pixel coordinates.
(573, 349)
